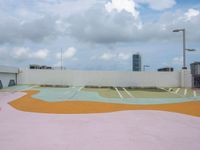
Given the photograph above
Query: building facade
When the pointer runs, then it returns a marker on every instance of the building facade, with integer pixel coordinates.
(195, 71)
(136, 62)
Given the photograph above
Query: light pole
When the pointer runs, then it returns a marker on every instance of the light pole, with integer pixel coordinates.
(184, 47)
(144, 66)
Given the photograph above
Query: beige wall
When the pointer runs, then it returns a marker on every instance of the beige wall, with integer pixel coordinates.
(104, 78)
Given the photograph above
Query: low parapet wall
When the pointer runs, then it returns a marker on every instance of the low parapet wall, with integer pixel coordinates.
(104, 78)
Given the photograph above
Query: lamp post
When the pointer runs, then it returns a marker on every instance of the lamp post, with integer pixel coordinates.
(144, 66)
(184, 47)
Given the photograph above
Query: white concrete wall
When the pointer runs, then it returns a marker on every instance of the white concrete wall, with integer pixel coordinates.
(100, 78)
(186, 79)
(6, 77)
(6, 74)
(8, 69)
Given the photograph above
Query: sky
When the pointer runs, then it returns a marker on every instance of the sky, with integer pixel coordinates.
(98, 34)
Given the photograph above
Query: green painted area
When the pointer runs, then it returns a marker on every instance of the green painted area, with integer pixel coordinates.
(190, 93)
(198, 92)
(144, 96)
(135, 92)
(152, 93)
(16, 88)
(104, 92)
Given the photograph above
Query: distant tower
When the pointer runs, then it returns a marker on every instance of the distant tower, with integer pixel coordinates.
(137, 62)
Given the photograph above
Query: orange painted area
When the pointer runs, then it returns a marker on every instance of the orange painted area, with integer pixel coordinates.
(29, 104)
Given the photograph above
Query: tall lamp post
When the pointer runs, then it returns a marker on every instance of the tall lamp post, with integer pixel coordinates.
(184, 47)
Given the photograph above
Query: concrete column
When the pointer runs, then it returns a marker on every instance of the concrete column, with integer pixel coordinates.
(186, 79)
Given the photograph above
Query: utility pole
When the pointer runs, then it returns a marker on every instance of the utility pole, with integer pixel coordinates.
(61, 60)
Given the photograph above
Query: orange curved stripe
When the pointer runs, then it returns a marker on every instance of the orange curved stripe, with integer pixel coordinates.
(30, 104)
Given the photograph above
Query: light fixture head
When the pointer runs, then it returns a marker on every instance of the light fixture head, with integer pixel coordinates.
(191, 50)
(178, 30)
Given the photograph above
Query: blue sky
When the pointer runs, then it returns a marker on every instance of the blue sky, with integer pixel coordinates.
(98, 34)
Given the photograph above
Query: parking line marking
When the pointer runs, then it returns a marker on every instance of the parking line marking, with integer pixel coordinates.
(80, 88)
(128, 92)
(120, 95)
(185, 92)
(194, 93)
(171, 92)
(177, 90)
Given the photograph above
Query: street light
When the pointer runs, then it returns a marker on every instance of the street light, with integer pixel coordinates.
(191, 50)
(144, 66)
(184, 47)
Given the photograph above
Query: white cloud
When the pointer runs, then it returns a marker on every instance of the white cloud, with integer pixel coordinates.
(124, 56)
(67, 54)
(120, 5)
(40, 54)
(191, 13)
(21, 53)
(107, 56)
(158, 4)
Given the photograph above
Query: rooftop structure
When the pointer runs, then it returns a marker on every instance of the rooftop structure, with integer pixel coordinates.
(166, 69)
(195, 71)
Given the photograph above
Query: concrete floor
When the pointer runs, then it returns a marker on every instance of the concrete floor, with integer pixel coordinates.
(141, 130)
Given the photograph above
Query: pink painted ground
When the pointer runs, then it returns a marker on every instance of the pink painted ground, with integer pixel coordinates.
(127, 130)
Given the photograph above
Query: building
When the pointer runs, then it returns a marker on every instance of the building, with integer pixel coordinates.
(166, 69)
(8, 76)
(34, 66)
(136, 62)
(195, 71)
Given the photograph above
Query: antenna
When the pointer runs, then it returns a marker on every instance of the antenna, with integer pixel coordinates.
(61, 60)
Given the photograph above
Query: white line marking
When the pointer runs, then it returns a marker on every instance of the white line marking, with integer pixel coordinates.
(128, 92)
(177, 90)
(171, 92)
(120, 95)
(185, 92)
(195, 93)
(80, 88)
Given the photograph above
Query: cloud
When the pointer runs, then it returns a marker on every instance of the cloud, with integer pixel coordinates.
(67, 54)
(107, 56)
(124, 56)
(21, 53)
(121, 27)
(158, 4)
(108, 28)
(25, 53)
(191, 13)
(117, 56)
(40, 54)
(123, 5)
(15, 30)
